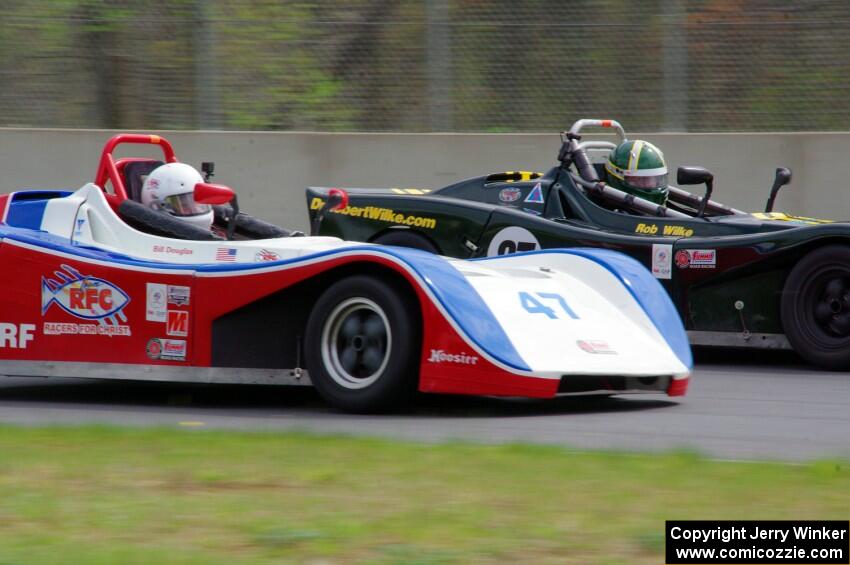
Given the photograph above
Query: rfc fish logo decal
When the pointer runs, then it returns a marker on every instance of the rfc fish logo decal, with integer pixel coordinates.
(89, 298)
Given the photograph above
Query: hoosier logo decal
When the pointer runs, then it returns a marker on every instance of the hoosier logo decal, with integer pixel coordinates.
(440, 356)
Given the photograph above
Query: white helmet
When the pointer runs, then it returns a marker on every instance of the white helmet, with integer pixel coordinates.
(170, 188)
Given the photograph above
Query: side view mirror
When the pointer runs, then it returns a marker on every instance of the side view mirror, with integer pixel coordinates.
(337, 199)
(213, 194)
(218, 195)
(693, 175)
(697, 175)
(782, 177)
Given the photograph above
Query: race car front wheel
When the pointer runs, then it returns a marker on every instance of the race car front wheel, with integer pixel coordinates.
(362, 345)
(816, 307)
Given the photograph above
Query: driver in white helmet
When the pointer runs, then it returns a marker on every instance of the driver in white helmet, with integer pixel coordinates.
(170, 189)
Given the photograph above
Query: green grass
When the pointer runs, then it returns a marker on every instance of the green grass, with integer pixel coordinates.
(115, 496)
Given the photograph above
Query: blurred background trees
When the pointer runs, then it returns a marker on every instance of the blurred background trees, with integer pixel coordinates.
(426, 65)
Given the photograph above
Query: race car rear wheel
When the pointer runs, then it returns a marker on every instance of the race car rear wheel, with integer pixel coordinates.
(407, 238)
(815, 307)
(362, 345)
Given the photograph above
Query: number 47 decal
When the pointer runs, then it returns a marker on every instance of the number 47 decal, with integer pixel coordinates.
(534, 306)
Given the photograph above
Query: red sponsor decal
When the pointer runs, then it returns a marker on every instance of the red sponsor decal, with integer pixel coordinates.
(696, 258)
(154, 348)
(510, 194)
(178, 323)
(166, 349)
(595, 346)
(266, 255)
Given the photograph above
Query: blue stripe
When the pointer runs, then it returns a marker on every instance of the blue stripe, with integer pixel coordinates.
(26, 214)
(647, 291)
(26, 207)
(461, 301)
(449, 287)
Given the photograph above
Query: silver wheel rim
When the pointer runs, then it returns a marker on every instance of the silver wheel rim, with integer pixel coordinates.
(356, 343)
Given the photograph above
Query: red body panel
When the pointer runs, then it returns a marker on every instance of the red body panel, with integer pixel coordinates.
(61, 335)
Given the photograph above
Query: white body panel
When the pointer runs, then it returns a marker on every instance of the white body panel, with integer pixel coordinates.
(607, 316)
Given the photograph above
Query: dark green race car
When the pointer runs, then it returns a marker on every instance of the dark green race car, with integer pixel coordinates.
(765, 280)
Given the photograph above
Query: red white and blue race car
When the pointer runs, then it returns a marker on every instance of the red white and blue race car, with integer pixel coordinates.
(97, 285)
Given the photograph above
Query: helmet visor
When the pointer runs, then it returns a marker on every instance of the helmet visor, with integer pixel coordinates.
(645, 182)
(184, 205)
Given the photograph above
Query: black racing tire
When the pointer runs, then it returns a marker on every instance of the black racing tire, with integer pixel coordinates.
(815, 307)
(251, 227)
(362, 345)
(407, 238)
(149, 221)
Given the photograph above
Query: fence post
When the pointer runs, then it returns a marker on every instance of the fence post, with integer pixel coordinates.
(207, 104)
(438, 50)
(675, 65)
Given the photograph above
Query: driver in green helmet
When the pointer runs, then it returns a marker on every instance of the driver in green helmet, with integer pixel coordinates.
(638, 167)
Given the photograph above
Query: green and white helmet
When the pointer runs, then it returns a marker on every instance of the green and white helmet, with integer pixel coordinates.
(638, 167)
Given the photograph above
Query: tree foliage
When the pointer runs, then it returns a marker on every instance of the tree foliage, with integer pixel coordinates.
(497, 65)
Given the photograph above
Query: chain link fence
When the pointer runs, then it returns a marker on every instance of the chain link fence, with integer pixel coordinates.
(426, 65)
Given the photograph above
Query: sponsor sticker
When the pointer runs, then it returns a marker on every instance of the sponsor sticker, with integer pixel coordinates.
(508, 195)
(178, 295)
(178, 323)
(154, 348)
(536, 195)
(83, 296)
(166, 349)
(155, 304)
(696, 258)
(16, 336)
(662, 260)
(227, 254)
(595, 346)
(265, 255)
(440, 356)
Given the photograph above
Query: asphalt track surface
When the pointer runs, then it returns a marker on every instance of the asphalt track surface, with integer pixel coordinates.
(739, 406)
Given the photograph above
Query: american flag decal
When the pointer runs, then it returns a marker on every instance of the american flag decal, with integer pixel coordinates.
(225, 254)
